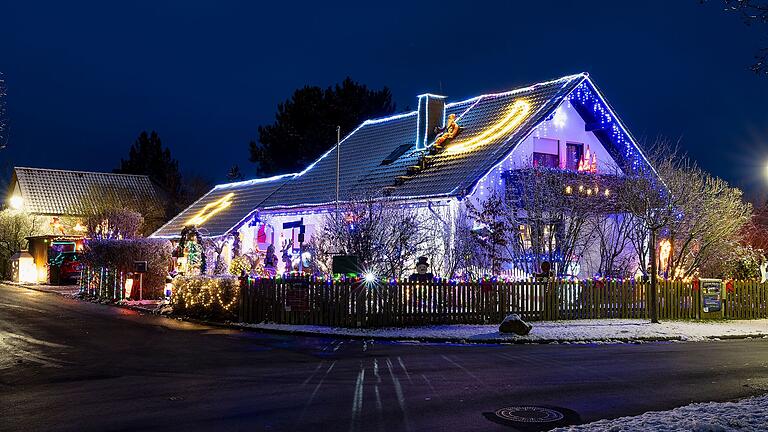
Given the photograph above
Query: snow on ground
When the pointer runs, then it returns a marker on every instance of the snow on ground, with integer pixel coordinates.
(562, 331)
(745, 415)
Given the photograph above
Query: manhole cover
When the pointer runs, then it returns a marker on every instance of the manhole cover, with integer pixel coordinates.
(532, 418)
(529, 414)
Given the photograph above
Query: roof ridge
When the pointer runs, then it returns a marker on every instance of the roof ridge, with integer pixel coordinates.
(254, 181)
(80, 171)
(501, 93)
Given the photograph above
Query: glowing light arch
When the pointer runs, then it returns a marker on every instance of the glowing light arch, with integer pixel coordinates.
(516, 113)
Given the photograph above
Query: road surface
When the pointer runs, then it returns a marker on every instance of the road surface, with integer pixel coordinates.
(71, 365)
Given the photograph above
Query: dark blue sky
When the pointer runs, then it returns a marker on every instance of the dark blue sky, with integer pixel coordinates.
(84, 78)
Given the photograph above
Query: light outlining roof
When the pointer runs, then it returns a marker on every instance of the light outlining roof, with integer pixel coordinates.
(224, 207)
(492, 126)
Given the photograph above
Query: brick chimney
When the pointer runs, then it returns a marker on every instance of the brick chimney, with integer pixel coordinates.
(431, 114)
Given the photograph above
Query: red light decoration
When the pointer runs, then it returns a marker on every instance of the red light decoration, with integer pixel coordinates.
(588, 162)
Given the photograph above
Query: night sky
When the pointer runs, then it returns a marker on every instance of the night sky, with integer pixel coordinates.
(84, 78)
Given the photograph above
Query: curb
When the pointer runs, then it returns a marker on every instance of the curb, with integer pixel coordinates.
(429, 339)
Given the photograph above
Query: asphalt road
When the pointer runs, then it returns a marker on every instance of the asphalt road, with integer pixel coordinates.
(70, 365)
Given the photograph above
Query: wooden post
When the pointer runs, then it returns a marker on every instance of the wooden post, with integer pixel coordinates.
(652, 311)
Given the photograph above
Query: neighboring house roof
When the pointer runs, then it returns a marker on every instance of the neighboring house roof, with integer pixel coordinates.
(63, 192)
(449, 173)
(224, 207)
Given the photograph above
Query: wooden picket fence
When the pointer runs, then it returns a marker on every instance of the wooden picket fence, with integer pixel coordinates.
(356, 304)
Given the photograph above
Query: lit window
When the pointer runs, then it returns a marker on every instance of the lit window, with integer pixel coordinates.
(573, 154)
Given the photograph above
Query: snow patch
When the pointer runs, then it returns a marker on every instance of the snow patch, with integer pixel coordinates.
(745, 415)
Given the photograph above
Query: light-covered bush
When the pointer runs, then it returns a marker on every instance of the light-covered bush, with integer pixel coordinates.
(208, 297)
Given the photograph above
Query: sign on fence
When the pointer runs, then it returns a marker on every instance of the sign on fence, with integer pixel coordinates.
(711, 298)
(297, 297)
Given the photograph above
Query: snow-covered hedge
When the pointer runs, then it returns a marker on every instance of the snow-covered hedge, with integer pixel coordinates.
(209, 297)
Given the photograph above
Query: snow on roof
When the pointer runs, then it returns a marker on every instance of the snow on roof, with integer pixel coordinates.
(223, 207)
(378, 154)
(66, 192)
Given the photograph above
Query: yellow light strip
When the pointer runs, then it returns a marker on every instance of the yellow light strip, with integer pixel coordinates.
(516, 113)
(211, 209)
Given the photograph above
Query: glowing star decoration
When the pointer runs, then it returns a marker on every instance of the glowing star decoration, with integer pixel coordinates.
(560, 118)
(515, 115)
(211, 209)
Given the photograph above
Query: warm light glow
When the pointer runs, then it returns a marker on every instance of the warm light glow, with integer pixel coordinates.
(128, 287)
(516, 113)
(26, 272)
(211, 209)
(79, 228)
(606, 192)
(42, 274)
(665, 248)
(16, 202)
(568, 189)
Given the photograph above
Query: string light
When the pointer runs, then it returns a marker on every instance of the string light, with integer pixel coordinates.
(516, 113)
(207, 292)
(211, 209)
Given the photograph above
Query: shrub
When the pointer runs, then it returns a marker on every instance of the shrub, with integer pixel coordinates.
(214, 297)
(120, 255)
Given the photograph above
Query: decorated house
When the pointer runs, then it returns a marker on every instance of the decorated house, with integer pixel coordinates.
(439, 160)
(59, 201)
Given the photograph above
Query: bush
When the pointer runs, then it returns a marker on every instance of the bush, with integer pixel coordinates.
(120, 255)
(208, 297)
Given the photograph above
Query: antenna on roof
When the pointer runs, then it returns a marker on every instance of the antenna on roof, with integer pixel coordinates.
(338, 162)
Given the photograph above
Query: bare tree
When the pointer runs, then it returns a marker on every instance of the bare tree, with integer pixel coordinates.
(384, 235)
(708, 225)
(15, 227)
(752, 12)
(541, 216)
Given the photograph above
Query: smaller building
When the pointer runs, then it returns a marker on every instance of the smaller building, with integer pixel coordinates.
(59, 200)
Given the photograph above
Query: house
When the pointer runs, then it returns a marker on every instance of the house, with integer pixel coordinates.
(438, 158)
(58, 200)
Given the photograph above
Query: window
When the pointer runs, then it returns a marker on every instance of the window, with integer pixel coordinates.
(545, 160)
(573, 154)
(546, 152)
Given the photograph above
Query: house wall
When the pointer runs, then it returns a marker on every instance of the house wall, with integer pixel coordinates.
(437, 215)
(565, 126)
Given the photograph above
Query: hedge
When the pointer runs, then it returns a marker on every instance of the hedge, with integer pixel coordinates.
(119, 256)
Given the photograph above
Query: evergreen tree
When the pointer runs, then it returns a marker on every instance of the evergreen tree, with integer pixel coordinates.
(147, 156)
(305, 124)
(234, 173)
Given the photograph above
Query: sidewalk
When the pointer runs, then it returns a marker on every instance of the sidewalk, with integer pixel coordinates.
(745, 415)
(577, 331)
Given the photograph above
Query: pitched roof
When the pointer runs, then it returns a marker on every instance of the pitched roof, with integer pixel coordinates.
(449, 173)
(484, 141)
(231, 204)
(65, 192)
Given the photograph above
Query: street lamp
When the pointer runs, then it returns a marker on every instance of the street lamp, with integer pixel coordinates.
(16, 202)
